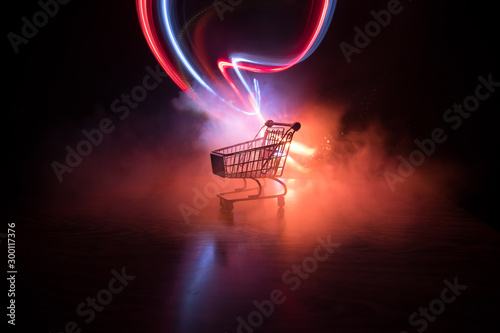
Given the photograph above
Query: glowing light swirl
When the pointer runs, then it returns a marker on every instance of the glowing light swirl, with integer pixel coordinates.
(246, 89)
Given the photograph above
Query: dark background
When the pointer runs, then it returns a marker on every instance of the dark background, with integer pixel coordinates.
(65, 79)
(428, 58)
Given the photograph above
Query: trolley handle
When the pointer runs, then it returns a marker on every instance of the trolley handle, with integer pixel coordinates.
(295, 126)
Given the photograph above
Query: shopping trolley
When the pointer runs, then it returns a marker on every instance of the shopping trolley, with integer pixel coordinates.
(263, 157)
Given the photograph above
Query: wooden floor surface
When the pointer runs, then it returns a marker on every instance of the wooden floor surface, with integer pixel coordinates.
(393, 254)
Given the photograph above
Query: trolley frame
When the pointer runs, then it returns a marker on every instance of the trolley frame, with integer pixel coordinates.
(264, 157)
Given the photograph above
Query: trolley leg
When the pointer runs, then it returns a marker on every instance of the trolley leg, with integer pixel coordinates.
(245, 188)
(260, 189)
(285, 190)
(226, 204)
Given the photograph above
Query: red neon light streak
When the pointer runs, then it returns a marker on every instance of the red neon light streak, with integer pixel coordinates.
(224, 64)
(146, 21)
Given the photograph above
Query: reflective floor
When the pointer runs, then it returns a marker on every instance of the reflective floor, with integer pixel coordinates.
(341, 256)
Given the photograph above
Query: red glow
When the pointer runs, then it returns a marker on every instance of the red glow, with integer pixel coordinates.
(224, 64)
(144, 10)
(301, 149)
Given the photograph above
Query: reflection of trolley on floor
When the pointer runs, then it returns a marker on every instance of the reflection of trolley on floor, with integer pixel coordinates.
(262, 157)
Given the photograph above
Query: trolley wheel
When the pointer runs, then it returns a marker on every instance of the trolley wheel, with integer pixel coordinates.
(229, 205)
(281, 202)
(226, 204)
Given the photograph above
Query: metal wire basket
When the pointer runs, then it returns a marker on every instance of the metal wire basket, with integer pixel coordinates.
(262, 157)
